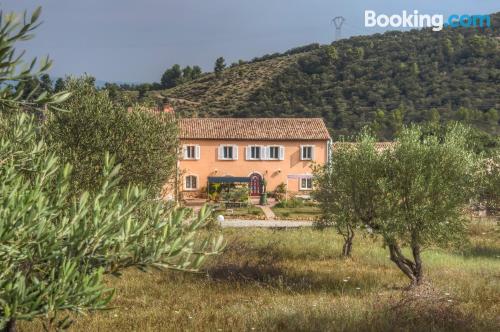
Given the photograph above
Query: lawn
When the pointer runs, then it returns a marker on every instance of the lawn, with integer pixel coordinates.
(299, 213)
(250, 212)
(294, 280)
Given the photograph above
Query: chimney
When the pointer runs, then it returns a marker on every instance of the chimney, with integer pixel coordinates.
(168, 109)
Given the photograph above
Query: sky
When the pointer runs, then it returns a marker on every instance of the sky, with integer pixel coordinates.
(136, 40)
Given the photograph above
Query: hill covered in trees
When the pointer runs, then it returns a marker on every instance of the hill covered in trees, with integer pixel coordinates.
(381, 80)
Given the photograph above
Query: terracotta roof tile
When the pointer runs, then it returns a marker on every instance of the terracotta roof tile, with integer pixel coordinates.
(254, 128)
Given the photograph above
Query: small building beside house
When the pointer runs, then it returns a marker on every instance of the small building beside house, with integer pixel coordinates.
(252, 151)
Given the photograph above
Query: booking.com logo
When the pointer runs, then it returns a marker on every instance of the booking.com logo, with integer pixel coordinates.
(416, 20)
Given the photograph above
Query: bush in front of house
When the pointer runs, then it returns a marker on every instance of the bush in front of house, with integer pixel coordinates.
(237, 194)
(279, 192)
(291, 203)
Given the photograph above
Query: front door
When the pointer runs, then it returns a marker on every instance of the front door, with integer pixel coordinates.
(255, 184)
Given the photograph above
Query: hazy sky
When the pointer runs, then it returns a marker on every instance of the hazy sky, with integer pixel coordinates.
(136, 40)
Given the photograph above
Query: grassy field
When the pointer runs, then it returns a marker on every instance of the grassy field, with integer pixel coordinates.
(294, 280)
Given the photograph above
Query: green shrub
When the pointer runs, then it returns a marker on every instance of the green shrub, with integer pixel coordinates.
(291, 203)
(235, 194)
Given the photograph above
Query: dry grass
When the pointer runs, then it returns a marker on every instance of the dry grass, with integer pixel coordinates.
(293, 280)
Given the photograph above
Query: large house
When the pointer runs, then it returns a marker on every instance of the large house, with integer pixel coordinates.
(252, 151)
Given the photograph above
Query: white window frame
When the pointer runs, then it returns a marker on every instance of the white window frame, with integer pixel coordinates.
(186, 182)
(262, 152)
(196, 148)
(302, 147)
(255, 148)
(221, 151)
(281, 152)
(305, 188)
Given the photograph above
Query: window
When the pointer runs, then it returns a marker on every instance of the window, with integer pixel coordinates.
(306, 184)
(274, 152)
(307, 152)
(191, 182)
(228, 152)
(255, 152)
(191, 152)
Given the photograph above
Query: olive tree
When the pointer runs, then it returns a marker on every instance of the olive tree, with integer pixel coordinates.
(143, 142)
(15, 72)
(55, 248)
(347, 188)
(427, 183)
(488, 182)
(411, 195)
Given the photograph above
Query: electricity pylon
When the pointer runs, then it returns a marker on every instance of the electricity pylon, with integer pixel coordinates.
(338, 21)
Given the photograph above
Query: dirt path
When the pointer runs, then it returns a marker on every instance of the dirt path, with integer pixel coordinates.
(265, 223)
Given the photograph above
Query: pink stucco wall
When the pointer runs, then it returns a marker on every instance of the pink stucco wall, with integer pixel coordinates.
(274, 171)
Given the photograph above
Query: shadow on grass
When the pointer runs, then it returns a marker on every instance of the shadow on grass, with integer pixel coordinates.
(420, 310)
(372, 321)
(241, 264)
(481, 251)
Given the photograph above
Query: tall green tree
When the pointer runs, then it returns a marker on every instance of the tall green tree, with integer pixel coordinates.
(144, 143)
(411, 195)
(347, 188)
(171, 77)
(220, 65)
(59, 85)
(196, 72)
(488, 182)
(428, 181)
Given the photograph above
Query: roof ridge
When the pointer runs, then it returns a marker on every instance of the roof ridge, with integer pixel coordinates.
(254, 128)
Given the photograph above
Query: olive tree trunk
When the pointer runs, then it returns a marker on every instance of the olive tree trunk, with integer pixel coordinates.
(411, 268)
(348, 235)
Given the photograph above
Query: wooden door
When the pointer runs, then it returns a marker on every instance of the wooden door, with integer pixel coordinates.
(255, 184)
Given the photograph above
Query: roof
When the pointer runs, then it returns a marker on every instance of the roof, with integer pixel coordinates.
(254, 128)
(379, 146)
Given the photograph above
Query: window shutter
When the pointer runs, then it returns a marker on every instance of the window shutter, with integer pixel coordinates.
(221, 152)
(282, 152)
(184, 152)
(235, 152)
(247, 152)
(264, 152)
(301, 152)
(197, 152)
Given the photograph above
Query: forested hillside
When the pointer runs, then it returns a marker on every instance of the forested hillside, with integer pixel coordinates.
(381, 80)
